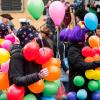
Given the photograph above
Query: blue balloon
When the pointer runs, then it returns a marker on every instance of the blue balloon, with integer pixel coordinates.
(91, 21)
(48, 98)
(71, 96)
(82, 94)
(96, 95)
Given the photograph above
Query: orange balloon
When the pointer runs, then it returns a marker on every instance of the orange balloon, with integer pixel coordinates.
(4, 82)
(54, 73)
(94, 41)
(97, 68)
(37, 87)
(89, 59)
(52, 61)
(96, 58)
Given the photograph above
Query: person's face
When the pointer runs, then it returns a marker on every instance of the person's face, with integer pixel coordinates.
(5, 20)
(98, 32)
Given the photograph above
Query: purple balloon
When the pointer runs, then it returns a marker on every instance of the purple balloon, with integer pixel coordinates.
(71, 96)
(96, 95)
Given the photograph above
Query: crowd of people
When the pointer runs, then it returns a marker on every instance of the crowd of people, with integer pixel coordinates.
(22, 73)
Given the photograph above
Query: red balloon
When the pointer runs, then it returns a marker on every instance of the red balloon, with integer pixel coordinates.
(31, 50)
(97, 51)
(88, 52)
(44, 55)
(15, 93)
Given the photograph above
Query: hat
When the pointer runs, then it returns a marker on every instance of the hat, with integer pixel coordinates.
(8, 16)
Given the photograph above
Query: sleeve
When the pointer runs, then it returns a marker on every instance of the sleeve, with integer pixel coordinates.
(16, 72)
(76, 60)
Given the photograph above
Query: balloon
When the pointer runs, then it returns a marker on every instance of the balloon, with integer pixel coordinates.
(57, 12)
(44, 55)
(15, 93)
(54, 73)
(97, 75)
(94, 41)
(3, 96)
(4, 55)
(37, 87)
(31, 51)
(50, 89)
(78, 81)
(4, 82)
(96, 50)
(97, 68)
(52, 61)
(48, 98)
(91, 21)
(58, 82)
(35, 8)
(98, 84)
(96, 95)
(96, 58)
(90, 74)
(87, 52)
(1, 41)
(6, 44)
(5, 67)
(93, 85)
(30, 97)
(10, 37)
(89, 59)
(71, 96)
(82, 94)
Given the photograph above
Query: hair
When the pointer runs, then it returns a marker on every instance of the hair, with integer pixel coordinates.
(98, 26)
(76, 35)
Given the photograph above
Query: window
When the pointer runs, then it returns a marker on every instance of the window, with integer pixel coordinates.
(11, 5)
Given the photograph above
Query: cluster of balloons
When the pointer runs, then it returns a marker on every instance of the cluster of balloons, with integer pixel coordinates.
(56, 10)
(5, 45)
(80, 95)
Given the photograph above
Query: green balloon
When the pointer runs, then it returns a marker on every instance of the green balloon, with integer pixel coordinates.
(78, 81)
(35, 8)
(50, 89)
(57, 82)
(93, 85)
(30, 97)
(1, 92)
(98, 84)
(3, 96)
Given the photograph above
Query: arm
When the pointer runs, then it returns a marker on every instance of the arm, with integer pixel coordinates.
(16, 71)
(76, 60)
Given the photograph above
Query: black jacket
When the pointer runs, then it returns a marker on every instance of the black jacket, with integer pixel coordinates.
(77, 65)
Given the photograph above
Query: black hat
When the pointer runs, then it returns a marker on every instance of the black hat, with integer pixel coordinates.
(8, 16)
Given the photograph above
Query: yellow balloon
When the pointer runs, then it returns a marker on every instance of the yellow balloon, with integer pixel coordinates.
(90, 74)
(1, 41)
(97, 75)
(4, 55)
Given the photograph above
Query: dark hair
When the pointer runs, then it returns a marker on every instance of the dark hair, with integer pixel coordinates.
(77, 35)
(98, 26)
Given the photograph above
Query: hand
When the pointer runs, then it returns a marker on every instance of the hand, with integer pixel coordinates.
(43, 73)
(67, 72)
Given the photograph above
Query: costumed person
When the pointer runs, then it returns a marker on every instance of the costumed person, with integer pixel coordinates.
(22, 72)
(5, 28)
(77, 65)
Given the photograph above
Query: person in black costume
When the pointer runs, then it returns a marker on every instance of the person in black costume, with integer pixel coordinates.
(77, 65)
(21, 72)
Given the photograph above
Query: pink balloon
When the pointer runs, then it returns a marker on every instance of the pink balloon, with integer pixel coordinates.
(10, 37)
(5, 67)
(6, 44)
(57, 12)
